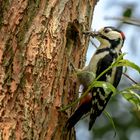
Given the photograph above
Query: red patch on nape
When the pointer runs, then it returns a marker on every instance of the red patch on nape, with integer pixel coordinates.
(122, 34)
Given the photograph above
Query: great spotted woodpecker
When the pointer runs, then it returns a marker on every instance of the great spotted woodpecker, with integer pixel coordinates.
(111, 41)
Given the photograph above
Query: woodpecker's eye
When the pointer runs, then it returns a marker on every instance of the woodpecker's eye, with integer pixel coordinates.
(106, 30)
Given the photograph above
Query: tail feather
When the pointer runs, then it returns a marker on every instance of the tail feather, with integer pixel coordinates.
(82, 109)
(92, 120)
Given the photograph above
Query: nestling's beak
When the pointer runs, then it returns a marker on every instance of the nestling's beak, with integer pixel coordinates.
(92, 33)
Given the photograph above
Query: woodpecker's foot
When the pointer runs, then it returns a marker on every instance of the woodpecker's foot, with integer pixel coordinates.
(72, 67)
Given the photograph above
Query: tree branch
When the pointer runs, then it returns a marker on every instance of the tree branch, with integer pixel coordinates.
(125, 20)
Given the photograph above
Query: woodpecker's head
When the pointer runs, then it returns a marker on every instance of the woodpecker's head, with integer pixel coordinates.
(110, 34)
(109, 37)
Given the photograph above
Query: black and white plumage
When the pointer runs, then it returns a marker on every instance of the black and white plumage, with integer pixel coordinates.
(111, 41)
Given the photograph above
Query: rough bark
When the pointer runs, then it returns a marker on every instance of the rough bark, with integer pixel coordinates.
(37, 39)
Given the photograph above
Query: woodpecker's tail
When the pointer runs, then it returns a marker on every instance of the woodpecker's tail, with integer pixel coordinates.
(92, 120)
(82, 109)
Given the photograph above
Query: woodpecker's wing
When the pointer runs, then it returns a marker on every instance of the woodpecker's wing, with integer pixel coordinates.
(118, 75)
(99, 102)
(114, 74)
(100, 98)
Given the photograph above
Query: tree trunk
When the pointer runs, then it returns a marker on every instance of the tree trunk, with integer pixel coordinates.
(37, 40)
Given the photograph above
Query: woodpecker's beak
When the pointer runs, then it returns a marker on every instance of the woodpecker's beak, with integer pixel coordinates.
(92, 33)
